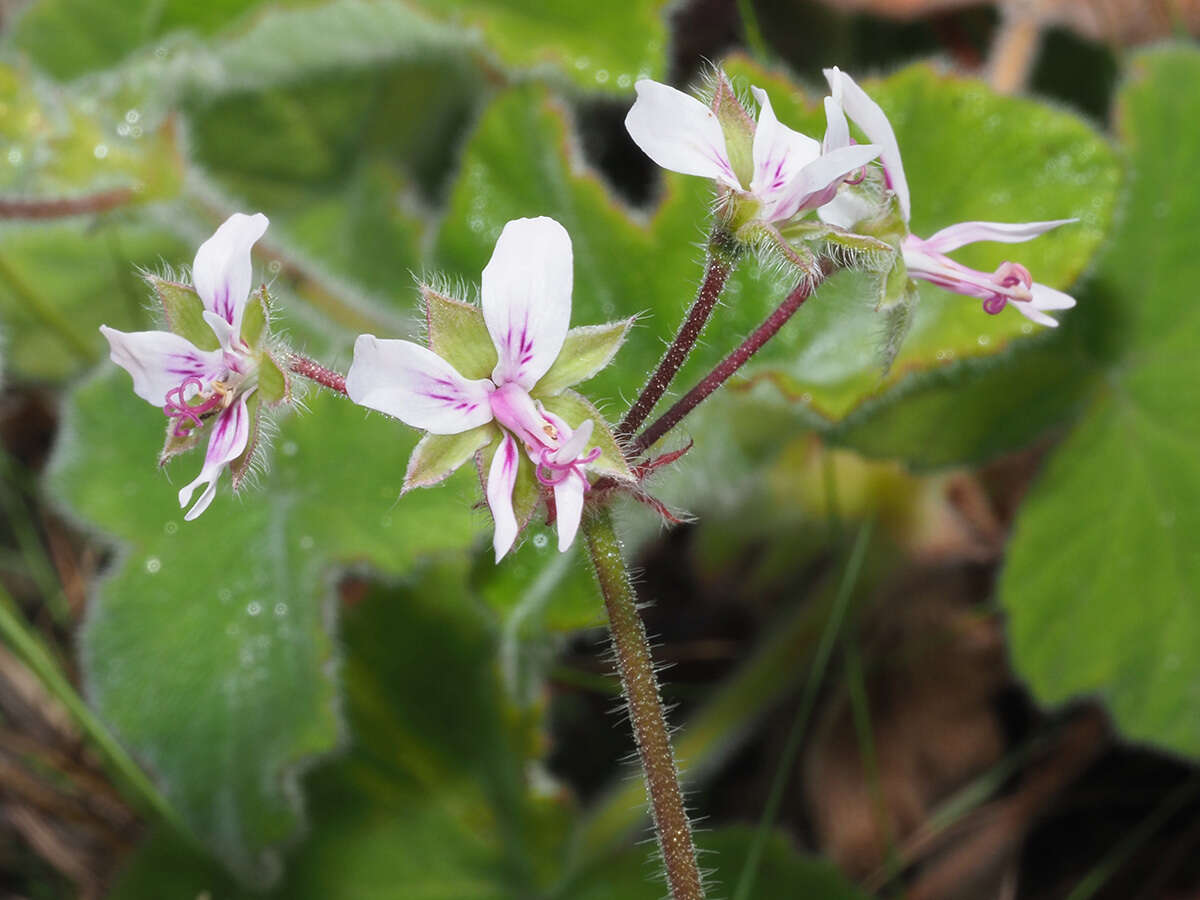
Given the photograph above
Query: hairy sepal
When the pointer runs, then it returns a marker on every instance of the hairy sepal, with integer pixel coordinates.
(585, 352)
(437, 456)
(274, 385)
(457, 334)
(184, 312)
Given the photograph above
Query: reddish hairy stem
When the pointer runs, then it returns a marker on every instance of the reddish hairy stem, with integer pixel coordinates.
(640, 687)
(722, 256)
(61, 207)
(314, 371)
(727, 366)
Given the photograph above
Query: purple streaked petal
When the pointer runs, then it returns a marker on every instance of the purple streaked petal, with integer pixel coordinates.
(229, 436)
(780, 153)
(221, 271)
(871, 118)
(817, 182)
(160, 361)
(416, 386)
(955, 236)
(526, 294)
(679, 133)
(502, 475)
(568, 506)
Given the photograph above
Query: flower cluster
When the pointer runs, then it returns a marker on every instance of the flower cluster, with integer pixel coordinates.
(787, 174)
(494, 382)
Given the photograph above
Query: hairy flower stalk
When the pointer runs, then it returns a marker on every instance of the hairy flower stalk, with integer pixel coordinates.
(314, 371)
(640, 687)
(722, 257)
(728, 366)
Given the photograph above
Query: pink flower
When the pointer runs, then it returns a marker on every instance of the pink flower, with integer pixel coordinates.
(925, 258)
(791, 173)
(195, 386)
(526, 307)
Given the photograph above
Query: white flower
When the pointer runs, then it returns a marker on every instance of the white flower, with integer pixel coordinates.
(191, 385)
(526, 299)
(925, 258)
(791, 173)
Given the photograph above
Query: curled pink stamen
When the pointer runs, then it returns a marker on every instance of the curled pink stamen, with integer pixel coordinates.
(994, 304)
(859, 177)
(552, 473)
(186, 415)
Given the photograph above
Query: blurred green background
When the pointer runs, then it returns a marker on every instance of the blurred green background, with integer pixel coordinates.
(942, 621)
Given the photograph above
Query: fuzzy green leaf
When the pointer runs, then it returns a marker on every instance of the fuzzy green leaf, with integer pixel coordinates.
(206, 650)
(1103, 571)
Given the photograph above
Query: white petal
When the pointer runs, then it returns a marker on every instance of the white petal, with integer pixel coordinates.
(1048, 298)
(222, 329)
(679, 132)
(1029, 311)
(568, 506)
(159, 361)
(229, 436)
(846, 209)
(416, 386)
(837, 132)
(221, 272)
(874, 123)
(574, 446)
(526, 292)
(502, 475)
(821, 177)
(779, 153)
(955, 236)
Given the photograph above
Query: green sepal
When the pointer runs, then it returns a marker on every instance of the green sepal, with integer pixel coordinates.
(573, 409)
(173, 446)
(436, 456)
(256, 317)
(738, 126)
(457, 334)
(585, 351)
(527, 493)
(240, 467)
(184, 311)
(898, 319)
(769, 240)
(853, 247)
(274, 385)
